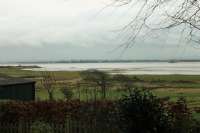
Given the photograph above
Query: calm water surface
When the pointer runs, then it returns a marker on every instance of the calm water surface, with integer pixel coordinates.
(187, 68)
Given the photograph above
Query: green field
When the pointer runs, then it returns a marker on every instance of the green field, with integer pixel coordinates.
(162, 85)
(172, 86)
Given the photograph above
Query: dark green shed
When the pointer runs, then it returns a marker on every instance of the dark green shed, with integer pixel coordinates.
(17, 89)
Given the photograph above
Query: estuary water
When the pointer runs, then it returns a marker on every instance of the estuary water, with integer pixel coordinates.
(159, 68)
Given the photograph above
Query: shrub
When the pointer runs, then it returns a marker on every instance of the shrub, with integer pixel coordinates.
(40, 127)
(142, 112)
(67, 92)
(56, 111)
(139, 112)
(183, 122)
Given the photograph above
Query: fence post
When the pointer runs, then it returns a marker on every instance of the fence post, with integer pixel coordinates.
(20, 127)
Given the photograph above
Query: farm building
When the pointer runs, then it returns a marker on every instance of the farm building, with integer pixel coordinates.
(17, 89)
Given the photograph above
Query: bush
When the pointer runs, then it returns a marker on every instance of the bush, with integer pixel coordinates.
(41, 127)
(183, 122)
(67, 92)
(139, 112)
(142, 112)
(55, 111)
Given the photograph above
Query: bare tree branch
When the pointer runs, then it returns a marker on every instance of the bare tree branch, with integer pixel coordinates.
(156, 15)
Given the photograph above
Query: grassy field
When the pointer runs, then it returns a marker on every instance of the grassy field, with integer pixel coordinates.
(172, 86)
(162, 85)
(19, 72)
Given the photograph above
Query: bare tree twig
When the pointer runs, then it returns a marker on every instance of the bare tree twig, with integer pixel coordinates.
(184, 13)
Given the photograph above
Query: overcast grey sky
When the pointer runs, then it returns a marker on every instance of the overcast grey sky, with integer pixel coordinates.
(37, 30)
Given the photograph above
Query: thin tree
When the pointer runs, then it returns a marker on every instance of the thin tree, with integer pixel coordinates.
(67, 92)
(125, 82)
(99, 78)
(48, 82)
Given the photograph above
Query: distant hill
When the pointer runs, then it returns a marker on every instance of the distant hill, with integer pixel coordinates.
(110, 61)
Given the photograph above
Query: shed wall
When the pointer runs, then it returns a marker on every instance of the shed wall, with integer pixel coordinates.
(25, 92)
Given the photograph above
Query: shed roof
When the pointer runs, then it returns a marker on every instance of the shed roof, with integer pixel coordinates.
(4, 81)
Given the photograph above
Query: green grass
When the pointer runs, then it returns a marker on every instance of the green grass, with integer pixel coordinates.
(196, 116)
(172, 86)
(16, 72)
(191, 95)
(169, 78)
(166, 85)
(82, 94)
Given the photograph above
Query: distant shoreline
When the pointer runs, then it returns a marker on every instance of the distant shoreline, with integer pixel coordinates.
(20, 66)
(99, 61)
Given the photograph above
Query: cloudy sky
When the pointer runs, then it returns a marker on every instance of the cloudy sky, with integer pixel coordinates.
(38, 30)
